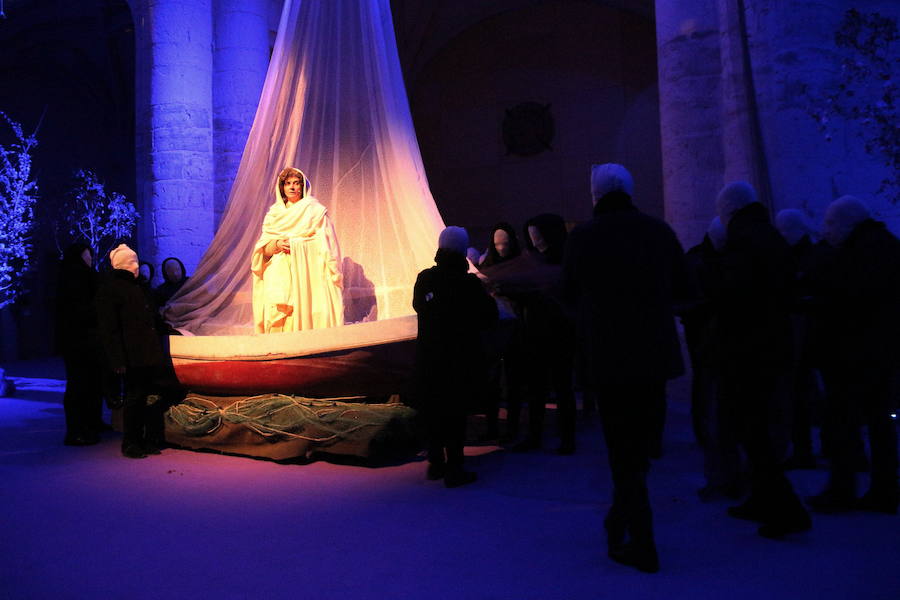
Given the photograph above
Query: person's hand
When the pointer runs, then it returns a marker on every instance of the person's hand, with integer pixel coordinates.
(283, 246)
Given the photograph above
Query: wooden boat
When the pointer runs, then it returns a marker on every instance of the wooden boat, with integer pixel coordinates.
(363, 359)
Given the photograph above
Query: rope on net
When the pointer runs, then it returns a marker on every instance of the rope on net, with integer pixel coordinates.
(278, 415)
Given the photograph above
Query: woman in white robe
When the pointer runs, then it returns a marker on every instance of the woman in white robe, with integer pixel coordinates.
(296, 263)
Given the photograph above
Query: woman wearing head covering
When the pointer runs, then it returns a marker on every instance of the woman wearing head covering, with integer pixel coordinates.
(174, 276)
(504, 245)
(296, 263)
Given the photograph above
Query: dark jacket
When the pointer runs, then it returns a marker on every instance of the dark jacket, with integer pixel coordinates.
(698, 315)
(76, 319)
(752, 284)
(453, 309)
(128, 323)
(623, 272)
(858, 294)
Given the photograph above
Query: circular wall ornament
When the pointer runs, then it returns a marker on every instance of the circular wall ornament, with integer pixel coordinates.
(528, 129)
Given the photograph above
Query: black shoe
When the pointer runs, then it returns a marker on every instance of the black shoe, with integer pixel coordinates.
(748, 511)
(435, 471)
(458, 478)
(150, 448)
(878, 501)
(527, 445)
(133, 451)
(81, 440)
(832, 501)
(800, 462)
(778, 529)
(644, 557)
(566, 449)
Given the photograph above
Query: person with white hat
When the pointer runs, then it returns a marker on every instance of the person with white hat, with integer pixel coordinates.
(453, 309)
(752, 284)
(128, 331)
(622, 272)
(859, 353)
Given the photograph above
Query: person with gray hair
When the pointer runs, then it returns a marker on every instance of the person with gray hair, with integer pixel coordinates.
(751, 284)
(859, 354)
(622, 273)
(453, 309)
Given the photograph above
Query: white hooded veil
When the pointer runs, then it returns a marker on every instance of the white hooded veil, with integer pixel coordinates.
(334, 105)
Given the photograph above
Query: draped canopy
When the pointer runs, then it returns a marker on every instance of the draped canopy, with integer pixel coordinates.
(334, 105)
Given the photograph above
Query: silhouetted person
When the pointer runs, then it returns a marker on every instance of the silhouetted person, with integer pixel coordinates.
(453, 309)
(860, 310)
(79, 342)
(752, 285)
(128, 330)
(623, 271)
(810, 257)
(547, 333)
(714, 435)
(174, 276)
(504, 350)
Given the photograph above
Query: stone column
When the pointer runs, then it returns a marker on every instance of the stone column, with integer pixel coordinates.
(174, 120)
(240, 60)
(690, 92)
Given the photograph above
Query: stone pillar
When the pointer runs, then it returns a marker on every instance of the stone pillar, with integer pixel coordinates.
(240, 60)
(690, 92)
(175, 183)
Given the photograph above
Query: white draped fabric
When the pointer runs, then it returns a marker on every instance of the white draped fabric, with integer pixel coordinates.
(333, 105)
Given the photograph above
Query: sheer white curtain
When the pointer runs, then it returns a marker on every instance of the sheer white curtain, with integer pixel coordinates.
(333, 105)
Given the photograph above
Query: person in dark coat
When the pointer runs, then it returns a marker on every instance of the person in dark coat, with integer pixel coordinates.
(502, 343)
(174, 277)
(128, 330)
(752, 285)
(858, 346)
(721, 456)
(623, 272)
(453, 309)
(79, 342)
(804, 389)
(547, 334)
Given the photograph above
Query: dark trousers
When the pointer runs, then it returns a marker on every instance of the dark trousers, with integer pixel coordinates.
(747, 401)
(142, 422)
(626, 411)
(445, 422)
(554, 375)
(83, 399)
(857, 397)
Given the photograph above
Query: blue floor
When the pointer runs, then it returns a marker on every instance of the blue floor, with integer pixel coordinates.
(88, 523)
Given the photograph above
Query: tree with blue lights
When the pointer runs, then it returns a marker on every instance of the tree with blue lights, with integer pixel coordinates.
(18, 193)
(867, 90)
(99, 218)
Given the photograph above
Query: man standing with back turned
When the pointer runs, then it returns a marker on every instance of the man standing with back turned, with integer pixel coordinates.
(622, 271)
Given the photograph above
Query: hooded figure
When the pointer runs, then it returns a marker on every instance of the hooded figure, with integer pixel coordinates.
(733, 198)
(841, 218)
(504, 245)
(296, 263)
(453, 309)
(546, 234)
(174, 276)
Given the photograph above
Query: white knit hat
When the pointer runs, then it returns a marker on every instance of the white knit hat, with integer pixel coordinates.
(841, 218)
(454, 238)
(792, 225)
(123, 257)
(733, 198)
(610, 177)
